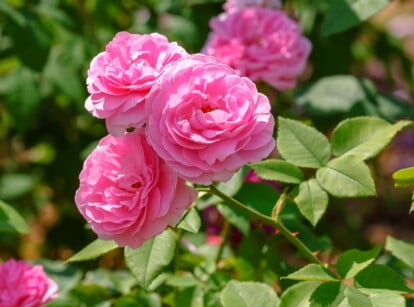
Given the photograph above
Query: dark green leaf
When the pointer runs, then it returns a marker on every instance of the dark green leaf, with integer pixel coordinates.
(346, 176)
(345, 14)
(301, 144)
(93, 250)
(248, 293)
(312, 272)
(278, 170)
(363, 137)
(353, 261)
(237, 218)
(298, 294)
(377, 276)
(312, 200)
(147, 261)
(11, 220)
(401, 250)
(260, 196)
(191, 221)
(328, 294)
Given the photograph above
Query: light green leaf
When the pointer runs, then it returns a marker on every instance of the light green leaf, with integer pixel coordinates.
(93, 250)
(364, 137)
(404, 177)
(346, 176)
(278, 170)
(147, 261)
(345, 14)
(334, 94)
(191, 221)
(248, 293)
(355, 298)
(301, 144)
(377, 276)
(299, 294)
(353, 261)
(312, 272)
(15, 185)
(401, 250)
(386, 299)
(11, 220)
(312, 200)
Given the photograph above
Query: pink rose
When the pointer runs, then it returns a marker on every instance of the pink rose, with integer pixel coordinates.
(262, 44)
(120, 78)
(127, 193)
(240, 4)
(25, 285)
(206, 121)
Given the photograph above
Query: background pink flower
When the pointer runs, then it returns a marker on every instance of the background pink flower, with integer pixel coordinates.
(206, 121)
(262, 44)
(120, 78)
(240, 4)
(25, 285)
(127, 194)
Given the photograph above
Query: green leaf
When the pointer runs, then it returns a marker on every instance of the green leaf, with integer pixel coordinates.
(312, 200)
(15, 185)
(191, 221)
(363, 136)
(93, 250)
(248, 293)
(353, 261)
(237, 218)
(401, 250)
(355, 298)
(301, 144)
(334, 94)
(386, 299)
(312, 272)
(147, 261)
(299, 294)
(278, 170)
(182, 281)
(191, 296)
(260, 196)
(346, 176)
(345, 14)
(328, 294)
(10, 219)
(377, 276)
(404, 177)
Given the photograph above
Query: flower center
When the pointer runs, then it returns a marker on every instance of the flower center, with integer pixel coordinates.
(207, 109)
(136, 185)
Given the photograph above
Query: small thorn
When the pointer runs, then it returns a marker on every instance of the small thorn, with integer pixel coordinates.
(276, 232)
(316, 253)
(295, 234)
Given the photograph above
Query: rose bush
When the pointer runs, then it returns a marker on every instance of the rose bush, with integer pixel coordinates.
(206, 122)
(127, 194)
(25, 285)
(260, 43)
(120, 78)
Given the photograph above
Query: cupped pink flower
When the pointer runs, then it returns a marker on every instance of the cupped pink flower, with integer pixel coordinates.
(127, 193)
(120, 78)
(206, 121)
(262, 44)
(241, 4)
(25, 285)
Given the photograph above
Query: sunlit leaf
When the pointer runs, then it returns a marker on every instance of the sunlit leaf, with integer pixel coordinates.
(11, 220)
(93, 250)
(351, 262)
(302, 145)
(404, 177)
(298, 294)
(147, 261)
(312, 272)
(191, 221)
(363, 137)
(312, 200)
(346, 176)
(401, 250)
(248, 293)
(278, 170)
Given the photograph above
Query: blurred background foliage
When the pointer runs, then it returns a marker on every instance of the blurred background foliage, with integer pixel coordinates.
(45, 132)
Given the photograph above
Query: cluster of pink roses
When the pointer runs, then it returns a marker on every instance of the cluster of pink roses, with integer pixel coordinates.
(175, 117)
(25, 285)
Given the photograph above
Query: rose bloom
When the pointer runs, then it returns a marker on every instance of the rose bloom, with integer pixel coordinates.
(240, 4)
(127, 193)
(206, 121)
(120, 78)
(262, 44)
(25, 285)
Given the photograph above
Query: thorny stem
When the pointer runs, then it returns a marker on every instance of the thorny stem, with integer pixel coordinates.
(279, 205)
(224, 237)
(292, 238)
